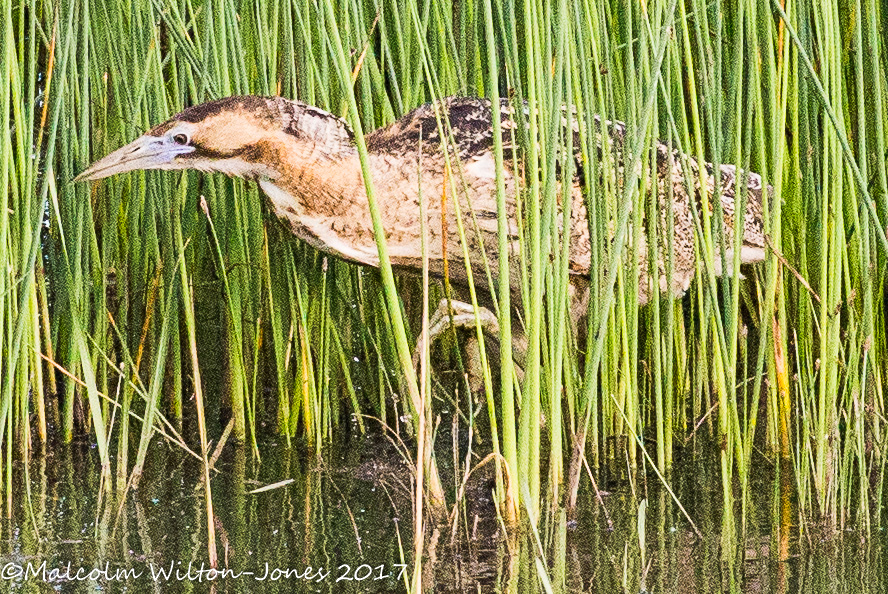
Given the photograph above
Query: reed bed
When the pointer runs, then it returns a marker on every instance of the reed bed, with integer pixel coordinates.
(160, 305)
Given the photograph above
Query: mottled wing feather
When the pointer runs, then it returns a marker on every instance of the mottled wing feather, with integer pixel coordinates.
(469, 120)
(472, 136)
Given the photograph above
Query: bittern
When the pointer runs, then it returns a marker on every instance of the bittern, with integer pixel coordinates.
(306, 161)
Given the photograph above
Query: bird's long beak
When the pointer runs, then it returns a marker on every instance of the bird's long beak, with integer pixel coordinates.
(145, 152)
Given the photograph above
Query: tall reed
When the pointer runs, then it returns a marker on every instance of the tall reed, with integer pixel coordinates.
(151, 288)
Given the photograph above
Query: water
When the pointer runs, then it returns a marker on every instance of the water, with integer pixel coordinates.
(342, 523)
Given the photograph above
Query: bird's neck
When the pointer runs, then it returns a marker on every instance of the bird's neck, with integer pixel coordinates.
(323, 184)
(322, 197)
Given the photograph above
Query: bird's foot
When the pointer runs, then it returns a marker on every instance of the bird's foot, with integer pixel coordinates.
(461, 315)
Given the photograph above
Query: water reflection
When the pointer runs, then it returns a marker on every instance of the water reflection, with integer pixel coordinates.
(342, 523)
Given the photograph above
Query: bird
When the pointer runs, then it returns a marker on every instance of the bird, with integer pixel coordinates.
(306, 161)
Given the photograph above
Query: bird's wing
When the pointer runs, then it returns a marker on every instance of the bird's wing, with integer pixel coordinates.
(465, 121)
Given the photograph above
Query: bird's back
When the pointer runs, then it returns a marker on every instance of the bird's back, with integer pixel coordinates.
(466, 124)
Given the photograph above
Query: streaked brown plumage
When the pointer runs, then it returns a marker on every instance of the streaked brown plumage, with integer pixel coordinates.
(306, 162)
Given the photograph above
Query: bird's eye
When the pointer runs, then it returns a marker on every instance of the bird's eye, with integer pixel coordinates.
(180, 139)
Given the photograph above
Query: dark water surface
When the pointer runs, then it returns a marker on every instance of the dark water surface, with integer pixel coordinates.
(344, 525)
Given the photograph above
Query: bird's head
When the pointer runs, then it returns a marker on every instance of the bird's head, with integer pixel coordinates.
(245, 136)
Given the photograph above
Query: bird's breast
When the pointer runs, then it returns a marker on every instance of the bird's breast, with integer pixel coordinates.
(342, 236)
